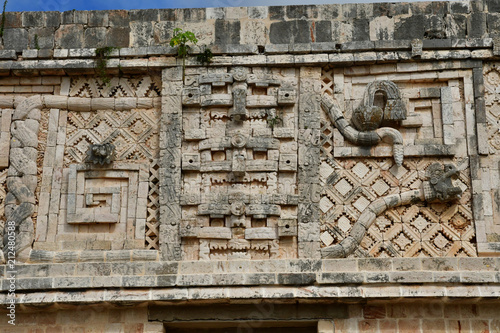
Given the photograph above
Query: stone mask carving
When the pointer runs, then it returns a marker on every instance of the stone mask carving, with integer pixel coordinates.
(101, 154)
(440, 185)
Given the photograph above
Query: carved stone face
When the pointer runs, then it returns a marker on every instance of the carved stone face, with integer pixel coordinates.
(441, 182)
(367, 118)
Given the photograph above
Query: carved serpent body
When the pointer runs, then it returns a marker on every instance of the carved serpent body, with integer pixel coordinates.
(22, 174)
(439, 187)
(363, 138)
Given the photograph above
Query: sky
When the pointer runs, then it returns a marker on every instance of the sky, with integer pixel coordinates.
(63, 5)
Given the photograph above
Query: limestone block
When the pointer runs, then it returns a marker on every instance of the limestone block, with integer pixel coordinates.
(261, 233)
(288, 162)
(191, 162)
(191, 96)
(217, 100)
(216, 79)
(286, 96)
(261, 101)
(287, 227)
(214, 232)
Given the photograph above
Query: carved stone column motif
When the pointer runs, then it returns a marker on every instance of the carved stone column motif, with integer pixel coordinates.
(239, 163)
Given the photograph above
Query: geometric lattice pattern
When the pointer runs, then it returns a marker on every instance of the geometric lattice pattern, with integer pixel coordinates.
(349, 185)
(492, 99)
(141, 86)
(429, 230)
(134, 133)
(153, 213)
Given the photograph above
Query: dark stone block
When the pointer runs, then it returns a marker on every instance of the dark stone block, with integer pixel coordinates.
(390, 9)
(80, 17)
(118, 37)
(381, 9)
(118, 18)
(290, 32)
(459, 8)
(161, 268)
(69, 36)
(305, 265)
(166, 280)
(41, 38)
(330, 12)
(15, 39)
(143, 33)
(349, 10)
(33, 270)
(361, 30)
(194, 14)
(477, 6)
(93, 269)
(276, 12)
(459, 24)
(260, 279)
(33, 19)
(435, 27)
(300, 12)
(493, 6)
(139, 281)
(410, 28)
(296, 278)
(323, 31)
(168, 15)
(13, 20)
(480, 107)
(68, 17)
(377, 277)
(127, 268)
(493, 23)
(227, 32)
(144, 15)
(33, 283)
(52, 19)
(95, 37)
(8, 54)
(390, 44)
(98, 18)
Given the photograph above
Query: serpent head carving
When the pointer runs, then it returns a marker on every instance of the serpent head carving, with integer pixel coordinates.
(439, 186)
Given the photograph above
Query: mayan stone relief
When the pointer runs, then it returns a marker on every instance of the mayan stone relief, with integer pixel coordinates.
(99, 180)
(391, 198)
(239, 165)
(251, 163)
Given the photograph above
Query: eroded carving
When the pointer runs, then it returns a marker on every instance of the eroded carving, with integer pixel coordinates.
(363, 138)
(101, 154)
(438, 188)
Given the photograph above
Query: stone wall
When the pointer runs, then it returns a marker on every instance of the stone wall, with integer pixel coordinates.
(255, 26)
(338, 162)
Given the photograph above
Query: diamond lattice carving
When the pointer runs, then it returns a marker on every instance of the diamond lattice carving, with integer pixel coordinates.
(146, 86)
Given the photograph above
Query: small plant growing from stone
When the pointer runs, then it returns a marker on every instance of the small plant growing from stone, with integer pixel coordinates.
(274, 119)
(180, 40)
(102, 55)
(206, 56)
(37, 45)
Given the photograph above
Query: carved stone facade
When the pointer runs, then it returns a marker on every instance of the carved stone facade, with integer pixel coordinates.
(239, 165)
(330, 161)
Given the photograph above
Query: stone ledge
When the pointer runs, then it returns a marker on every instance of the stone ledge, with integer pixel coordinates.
(256, 293)
(400, 271)
(65, 65)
